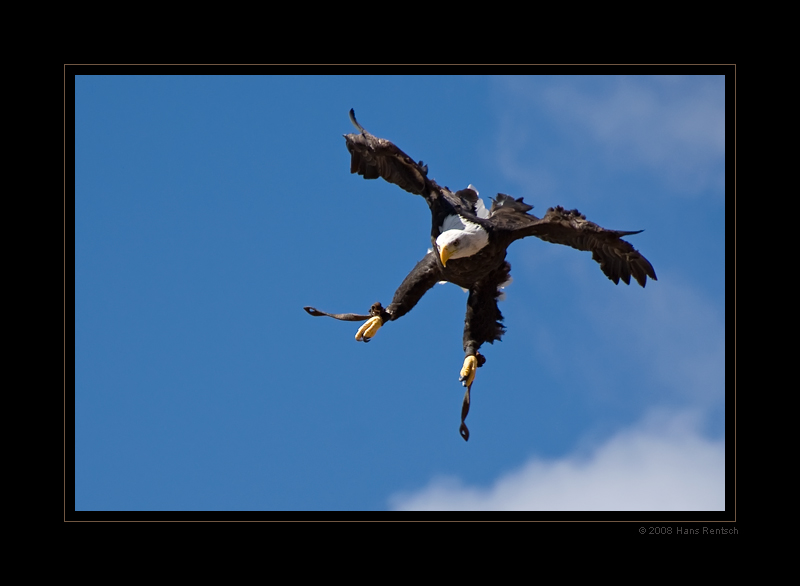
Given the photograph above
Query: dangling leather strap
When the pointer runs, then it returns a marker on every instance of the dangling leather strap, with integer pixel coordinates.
(463, 430)
(341, 316)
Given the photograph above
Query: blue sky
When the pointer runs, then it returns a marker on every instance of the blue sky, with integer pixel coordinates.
(210, 210)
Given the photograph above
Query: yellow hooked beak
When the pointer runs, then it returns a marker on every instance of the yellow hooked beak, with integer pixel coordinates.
(445, 252)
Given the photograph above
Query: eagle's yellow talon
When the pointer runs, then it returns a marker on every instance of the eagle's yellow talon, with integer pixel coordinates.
(468, 371)
(369, 329)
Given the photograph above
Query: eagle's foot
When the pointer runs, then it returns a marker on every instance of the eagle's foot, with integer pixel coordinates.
(369, 329)
(468, 371)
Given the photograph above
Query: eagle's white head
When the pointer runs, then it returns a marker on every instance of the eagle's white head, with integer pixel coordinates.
(460, 237)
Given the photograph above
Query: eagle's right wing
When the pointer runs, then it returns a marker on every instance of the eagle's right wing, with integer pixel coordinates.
(373, 157)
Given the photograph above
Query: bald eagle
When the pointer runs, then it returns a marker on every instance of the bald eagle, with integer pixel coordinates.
(469, 246)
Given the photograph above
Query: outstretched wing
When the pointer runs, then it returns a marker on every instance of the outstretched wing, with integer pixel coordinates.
(617, 258)
(373, 157)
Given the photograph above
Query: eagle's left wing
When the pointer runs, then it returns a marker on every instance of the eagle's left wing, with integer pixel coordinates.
(617, 258)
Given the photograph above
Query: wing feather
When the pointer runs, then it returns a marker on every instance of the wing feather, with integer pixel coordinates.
(373, 157)
(618, 259)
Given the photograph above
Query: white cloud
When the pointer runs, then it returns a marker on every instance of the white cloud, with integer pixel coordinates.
(662, 464)
(672, 126)
(634, 112)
